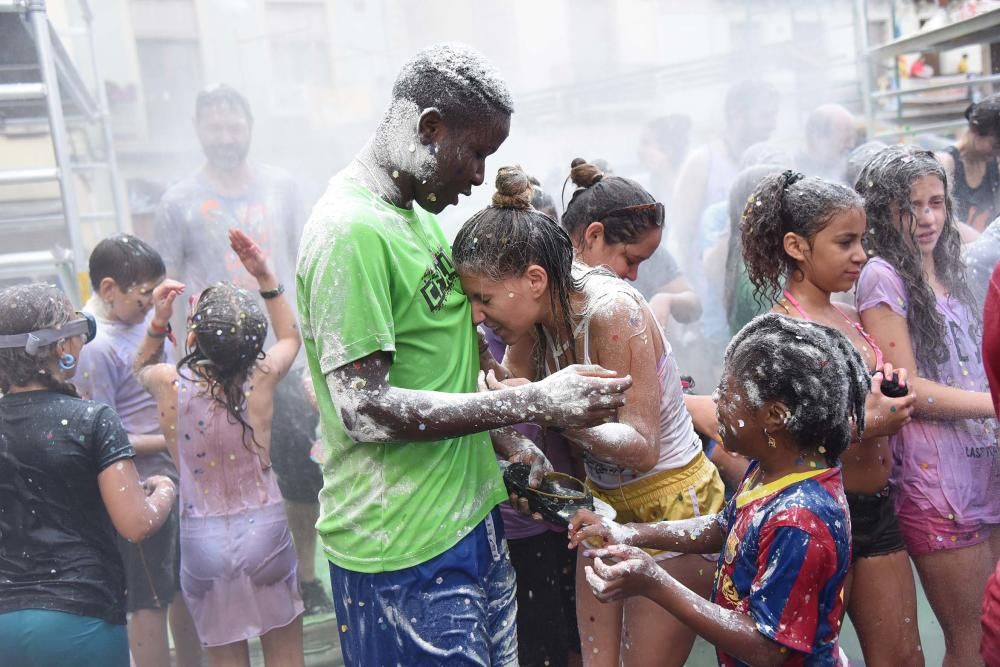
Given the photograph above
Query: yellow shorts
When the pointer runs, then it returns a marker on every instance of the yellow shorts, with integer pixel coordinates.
(682, 493)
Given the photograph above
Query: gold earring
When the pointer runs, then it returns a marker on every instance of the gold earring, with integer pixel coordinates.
(770, 440)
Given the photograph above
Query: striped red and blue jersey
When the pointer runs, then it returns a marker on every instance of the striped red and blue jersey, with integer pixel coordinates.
(785, 559)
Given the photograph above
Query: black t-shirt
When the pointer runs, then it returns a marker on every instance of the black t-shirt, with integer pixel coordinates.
(57, 543)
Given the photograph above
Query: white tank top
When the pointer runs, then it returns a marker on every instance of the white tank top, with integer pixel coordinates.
(679, 444)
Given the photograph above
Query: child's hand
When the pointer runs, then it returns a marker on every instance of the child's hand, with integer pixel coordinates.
(250, 254)
(636, 574)
(884, 415)
(595, 531)
(163, 301)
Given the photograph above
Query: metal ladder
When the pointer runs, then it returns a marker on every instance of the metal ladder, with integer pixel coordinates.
(41, 92)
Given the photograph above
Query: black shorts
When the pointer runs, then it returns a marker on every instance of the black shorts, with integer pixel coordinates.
(874, 529)
(546, 599)
(152, 567)
(293, 430)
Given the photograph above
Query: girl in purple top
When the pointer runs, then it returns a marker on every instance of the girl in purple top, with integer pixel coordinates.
(238, 565)
(913, 299)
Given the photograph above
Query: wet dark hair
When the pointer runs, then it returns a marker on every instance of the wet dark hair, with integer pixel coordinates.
(783, 203)
(229, 328)
(625, 208)
(885, 181)
(457, 80)
(541, 200)
(672, 134)
(25, 308)
(125, 259)
(984, 116)
(505, 238)
(222, 95)
(813, 369)
(739, 192)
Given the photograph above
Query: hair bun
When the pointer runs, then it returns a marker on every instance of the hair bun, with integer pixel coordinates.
(583, 174)
(513, 189)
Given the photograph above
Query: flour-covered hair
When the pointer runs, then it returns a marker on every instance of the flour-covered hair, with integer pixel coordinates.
(455, 79)
(813, 369)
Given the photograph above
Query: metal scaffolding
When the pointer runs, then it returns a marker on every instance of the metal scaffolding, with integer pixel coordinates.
(40, 88)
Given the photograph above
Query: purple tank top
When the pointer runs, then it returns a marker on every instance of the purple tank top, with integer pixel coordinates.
(219, 475)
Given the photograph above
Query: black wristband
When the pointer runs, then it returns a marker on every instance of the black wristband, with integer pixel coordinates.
(273, 293)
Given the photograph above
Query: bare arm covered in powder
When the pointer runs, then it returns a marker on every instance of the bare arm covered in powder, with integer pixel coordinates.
(935, 401)
(701, 535)
(638, 574)
(622, 338)
(372, 410)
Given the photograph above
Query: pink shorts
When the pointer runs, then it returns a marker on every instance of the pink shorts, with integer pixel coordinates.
(924, 531)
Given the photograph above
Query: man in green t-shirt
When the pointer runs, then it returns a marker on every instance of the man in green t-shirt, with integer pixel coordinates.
(419, 567)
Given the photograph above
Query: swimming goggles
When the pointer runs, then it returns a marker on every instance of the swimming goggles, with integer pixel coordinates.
(85, 326)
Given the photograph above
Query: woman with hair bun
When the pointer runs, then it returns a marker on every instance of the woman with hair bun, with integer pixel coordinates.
(516, 267)
(972, 165)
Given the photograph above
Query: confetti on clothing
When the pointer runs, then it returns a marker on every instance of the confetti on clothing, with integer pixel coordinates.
(785, 560)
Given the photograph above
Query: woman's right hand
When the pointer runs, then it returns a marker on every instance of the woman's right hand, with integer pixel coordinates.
(163, 301)
(579, 396)
(160, 484)
(885, 416)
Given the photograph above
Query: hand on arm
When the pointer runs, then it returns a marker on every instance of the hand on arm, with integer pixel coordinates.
(623, 341)
(935, 401)
(374, 411)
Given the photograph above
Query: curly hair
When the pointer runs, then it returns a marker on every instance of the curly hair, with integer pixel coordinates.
(507, 237)
(229, 329)
(25, 308)
(885, 183)
(811, 368)
(783, 203)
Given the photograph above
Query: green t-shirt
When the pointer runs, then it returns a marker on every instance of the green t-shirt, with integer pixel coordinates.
(372, 277)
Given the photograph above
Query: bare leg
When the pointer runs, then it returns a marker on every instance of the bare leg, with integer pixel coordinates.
(283, 646)
(147, 638)
(302, 523)
(954, 582)
(883, 607)
(653, 636)
(236, 654)
(186, 643)
(600, 624)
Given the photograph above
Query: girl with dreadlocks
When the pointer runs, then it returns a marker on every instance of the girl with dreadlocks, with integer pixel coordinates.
(238, 567)
(801, 239)
(913, 299)
(790, 395)
(516, 267)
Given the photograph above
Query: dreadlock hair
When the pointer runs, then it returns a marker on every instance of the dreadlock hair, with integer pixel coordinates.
(505, 238)
(26, 308)
(811, 368)
(624, 207)
(125, 259)
(229, 329)
(783, 203)
(885, 184)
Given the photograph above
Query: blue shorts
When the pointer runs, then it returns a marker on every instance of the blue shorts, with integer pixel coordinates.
(44, 638)
(456, 609)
